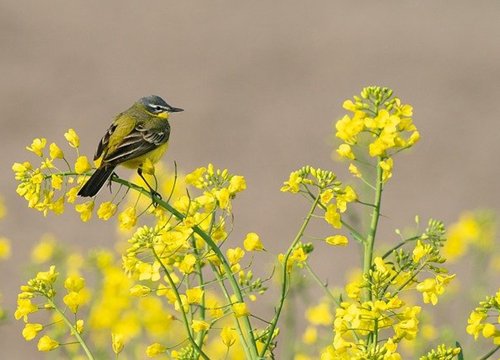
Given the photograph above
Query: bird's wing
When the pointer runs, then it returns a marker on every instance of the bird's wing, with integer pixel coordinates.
(139, 141)
(104, 143)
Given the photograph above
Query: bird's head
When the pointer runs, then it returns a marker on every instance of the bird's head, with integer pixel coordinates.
(156, 106)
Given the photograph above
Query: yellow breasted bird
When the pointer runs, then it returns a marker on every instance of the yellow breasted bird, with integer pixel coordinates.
(138, 134)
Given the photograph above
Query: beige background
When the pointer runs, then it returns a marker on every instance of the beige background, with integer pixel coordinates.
(262, 83)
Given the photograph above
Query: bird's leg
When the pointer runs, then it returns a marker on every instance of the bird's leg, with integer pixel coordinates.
(154, 194)
(110, 180)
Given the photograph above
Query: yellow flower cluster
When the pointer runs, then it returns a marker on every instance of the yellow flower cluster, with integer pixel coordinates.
(380, 119)
(485, 319)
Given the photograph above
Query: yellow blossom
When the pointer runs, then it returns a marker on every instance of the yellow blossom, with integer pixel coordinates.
(37, 146)
(106, 210)
(72, 138)
(348, 128)
(431, 288)
(44, 250)
(155, 350)
(420, 251)
(354, 170)
(332, 216)
(386, 166)
(30, 331)
(320, 314)
(82, 165)
(24, 308)
(139, 290)
(71, 194)
(337, 240)
(326, 196)
(4, 248)
(117, 343)
(47, 344)
(237, 184)
(187, 264)
(293, 183)
(240, 309)
(310, 336)
(127, 218)
(345, 151)
(55, 151)
(235, 255)
(199, 325)
(85, 210)
(223, 197)
(56, 181)
(228, 336)
(73, 300)
(194, 295)
(252, 242)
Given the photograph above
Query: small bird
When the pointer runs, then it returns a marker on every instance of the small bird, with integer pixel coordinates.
(136, 135)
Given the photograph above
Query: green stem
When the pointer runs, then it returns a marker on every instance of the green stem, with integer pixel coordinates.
(285, 283)
(370, 239)
(321, 284)
(73, 330)
(494, 350)
(201, 334)
(247, 327)
(187, 325)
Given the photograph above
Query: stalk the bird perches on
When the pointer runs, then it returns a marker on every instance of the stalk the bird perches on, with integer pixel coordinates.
(138, 134)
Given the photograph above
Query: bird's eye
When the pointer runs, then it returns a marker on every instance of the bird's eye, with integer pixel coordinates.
(158, 108)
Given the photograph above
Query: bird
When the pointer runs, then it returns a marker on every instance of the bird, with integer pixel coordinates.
(138, 134)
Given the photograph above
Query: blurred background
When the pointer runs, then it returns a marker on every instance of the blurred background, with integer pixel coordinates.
(261, 84)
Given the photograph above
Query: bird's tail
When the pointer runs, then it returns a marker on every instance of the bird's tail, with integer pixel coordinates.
(96, 181)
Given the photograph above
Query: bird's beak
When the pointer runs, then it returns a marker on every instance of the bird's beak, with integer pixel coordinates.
(174, 109)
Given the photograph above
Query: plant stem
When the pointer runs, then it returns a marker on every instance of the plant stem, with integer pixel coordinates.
(370, 239)
(247, 326)
(494, 350)
(181, 308)
(285, 283)
(73, 330)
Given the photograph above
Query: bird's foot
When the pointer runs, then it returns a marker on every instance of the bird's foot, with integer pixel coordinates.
(110, 180)
(155, 197)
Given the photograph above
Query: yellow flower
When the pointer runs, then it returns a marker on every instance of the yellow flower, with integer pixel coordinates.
(252, 242)
(345, 151)
(106, 210)
(127, 219)
(420, 251)
(326, 196)
(199, 325)
(310, 335)
(228, 336)
(85, 210)
(320, 314)
(194, 295)
(4, 248)
(72, 138)
(187, 264)
(432, 288)
(223, 196)
(475, 325)
(237, 184)
(240, 309)
(332, 216)
(44, 250)
(30, 331)
(73, 300)
(337, 240)
(82, 165)
(47, 344)
(349, 128)
(56, 181)
(117, 343)
(55, 152)
(354, 170)
(37, 146)
(155, 350)
(139, 290)
(24, 308)
(386, 166)
(235, 255)
(293, 183)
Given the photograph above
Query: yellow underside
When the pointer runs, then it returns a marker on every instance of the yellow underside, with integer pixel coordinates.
(154, 156)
